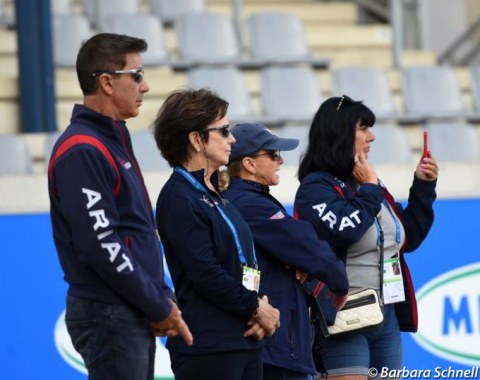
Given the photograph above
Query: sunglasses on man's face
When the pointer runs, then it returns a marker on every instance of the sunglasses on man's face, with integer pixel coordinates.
(224, 130)
(274, 155)
(137, 74)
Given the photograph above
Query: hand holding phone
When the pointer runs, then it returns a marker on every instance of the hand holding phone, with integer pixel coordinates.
(425, 145)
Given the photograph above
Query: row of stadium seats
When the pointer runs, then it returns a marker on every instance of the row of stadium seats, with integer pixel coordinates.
(202, 38)
(450, 142)
(279, 94)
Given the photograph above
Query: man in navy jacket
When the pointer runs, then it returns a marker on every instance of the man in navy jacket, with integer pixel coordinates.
(286, 249)
(103, 224)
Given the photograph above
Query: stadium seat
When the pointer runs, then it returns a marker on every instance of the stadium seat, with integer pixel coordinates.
(454, 141)
(50, 140)
(69, 31)
(432, 92)
(368, 84)
(208, 38)
(390, 146)
(97, 11)
(146, 151)
(170, 10)
(61, 7)
(143, 26)
(276, 37)
(475, 85)
(290, 93)
(15, 156)
(300, 132)
(230, 84)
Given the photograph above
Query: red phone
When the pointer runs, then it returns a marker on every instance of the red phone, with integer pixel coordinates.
(425, 144)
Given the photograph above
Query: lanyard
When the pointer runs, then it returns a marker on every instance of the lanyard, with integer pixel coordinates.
(193, 181)
(398, 238)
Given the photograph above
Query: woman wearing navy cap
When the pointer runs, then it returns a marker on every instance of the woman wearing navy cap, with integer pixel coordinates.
(287, 250)
(208, 246)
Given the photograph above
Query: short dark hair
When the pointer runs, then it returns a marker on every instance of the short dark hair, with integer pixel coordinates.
(104, 52)
(185, 111)
(331, 139)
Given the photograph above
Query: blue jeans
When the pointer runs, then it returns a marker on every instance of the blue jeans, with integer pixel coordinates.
(114, 340)
(356, 354)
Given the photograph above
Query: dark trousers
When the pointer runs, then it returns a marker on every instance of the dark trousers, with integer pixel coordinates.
(271, 372)
(114, 340)
(232, 365)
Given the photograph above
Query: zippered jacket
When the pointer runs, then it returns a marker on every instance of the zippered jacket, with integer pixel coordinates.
(284, 245)
(102, 220)
(341, 214)
(206, 266)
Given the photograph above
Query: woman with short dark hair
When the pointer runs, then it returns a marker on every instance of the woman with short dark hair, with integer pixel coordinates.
(208, 246)
(350, 208)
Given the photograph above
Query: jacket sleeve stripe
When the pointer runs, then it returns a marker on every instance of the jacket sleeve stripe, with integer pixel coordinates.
(84, 139)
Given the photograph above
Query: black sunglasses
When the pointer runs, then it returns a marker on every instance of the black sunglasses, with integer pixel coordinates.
(344, 98)
(224, 130)
(274, 155)
(137, 74)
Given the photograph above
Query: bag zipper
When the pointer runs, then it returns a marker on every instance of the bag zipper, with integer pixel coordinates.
(366, 300)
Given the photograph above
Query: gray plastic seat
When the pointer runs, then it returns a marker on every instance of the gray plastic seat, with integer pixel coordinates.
(50, 140)
(15, 156)
(61, 7)
(368, 84)
(147, 27)
(391, 145)
(276, 37)
(290, 93)
(69, 32)
(454, 141)
(300, 132)
(97, 11)
(146, 151)
(230, 84)
(171, 10)
(432, 93)
(207, 38)
(475, 85)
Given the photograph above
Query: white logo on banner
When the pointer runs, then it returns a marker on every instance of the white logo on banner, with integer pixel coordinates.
(449, 315)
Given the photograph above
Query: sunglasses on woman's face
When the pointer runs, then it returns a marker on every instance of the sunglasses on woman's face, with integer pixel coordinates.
(224, 130)
(274, 155)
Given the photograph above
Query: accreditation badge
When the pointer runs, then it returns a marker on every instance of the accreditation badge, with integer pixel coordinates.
(393, 290)
(251, 278)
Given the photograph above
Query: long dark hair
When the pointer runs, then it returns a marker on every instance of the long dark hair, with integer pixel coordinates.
(331, 138)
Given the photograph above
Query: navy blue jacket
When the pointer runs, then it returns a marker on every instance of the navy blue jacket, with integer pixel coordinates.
(205, 266)
(341, 214)
(102, 220)
(283, 245)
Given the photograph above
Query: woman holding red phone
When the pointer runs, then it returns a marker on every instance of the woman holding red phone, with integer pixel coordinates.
(341, 195)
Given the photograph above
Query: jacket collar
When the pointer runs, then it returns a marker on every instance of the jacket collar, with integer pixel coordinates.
(102, 124)
(199, 175)
(246, 184)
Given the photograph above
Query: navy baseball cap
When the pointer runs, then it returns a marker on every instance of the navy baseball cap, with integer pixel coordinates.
(252, 137)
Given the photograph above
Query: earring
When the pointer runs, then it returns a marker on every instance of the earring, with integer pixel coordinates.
(198, 149)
